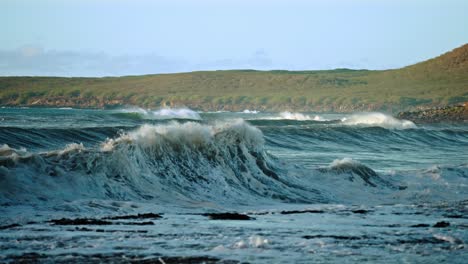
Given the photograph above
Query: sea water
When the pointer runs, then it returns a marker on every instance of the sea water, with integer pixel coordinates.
(331, 188)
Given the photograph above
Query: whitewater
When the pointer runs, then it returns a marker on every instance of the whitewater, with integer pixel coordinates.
(137, 184)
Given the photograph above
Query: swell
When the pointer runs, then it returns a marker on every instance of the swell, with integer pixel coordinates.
(289, 122)
(224, 163)
(303, 137)
(52, 138)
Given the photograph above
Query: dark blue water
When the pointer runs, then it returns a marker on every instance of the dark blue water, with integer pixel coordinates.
(73, 163)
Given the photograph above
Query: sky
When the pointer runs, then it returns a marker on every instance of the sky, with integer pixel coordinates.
(133, 37)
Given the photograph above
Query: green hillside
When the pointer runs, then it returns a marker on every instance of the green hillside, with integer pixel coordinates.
(437, 82)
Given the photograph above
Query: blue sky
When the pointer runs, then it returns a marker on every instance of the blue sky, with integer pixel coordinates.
(124, 37)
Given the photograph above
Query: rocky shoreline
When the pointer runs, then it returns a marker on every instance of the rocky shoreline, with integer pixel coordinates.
(450, 114)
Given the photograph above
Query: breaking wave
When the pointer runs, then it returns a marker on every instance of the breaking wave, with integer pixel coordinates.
(377, 119)
(247, 111)
(165, 113)
(353, 169)
(224, 162)
(299, 117)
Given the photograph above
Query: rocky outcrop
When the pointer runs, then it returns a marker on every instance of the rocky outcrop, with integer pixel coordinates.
(458, 113)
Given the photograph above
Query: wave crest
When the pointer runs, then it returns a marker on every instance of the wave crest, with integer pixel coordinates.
(299, 117)
(224, 162)
(352, 168)
(165, 113)
(377, 119)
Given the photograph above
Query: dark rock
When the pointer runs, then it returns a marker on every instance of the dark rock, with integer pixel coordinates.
(427, 240)
(9, 226)
(115, 258)
(337, 237)
(360, 211)
(421, 225)
(454, 216)
(302, 212)
(441, 224)
(138, 216)
(457, 113)
(137, 223)
(228, 216)
(192, 260)
(85, 229)
(79, 221)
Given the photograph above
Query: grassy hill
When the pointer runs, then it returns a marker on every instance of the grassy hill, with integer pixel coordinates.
(437, 82)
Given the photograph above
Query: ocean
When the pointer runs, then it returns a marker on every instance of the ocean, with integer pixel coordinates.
(138, 185)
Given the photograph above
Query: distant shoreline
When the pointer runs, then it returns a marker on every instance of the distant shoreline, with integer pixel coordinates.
(452, 114)
(434, 83)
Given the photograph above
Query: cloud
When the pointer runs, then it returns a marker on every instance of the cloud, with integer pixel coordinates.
(36, 61)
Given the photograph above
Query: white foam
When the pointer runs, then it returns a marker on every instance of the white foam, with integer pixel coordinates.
(247, 111)
(181, 113)
(8, 152)
(343, 162)
(299, 116)
(254, 241)
(137, 110)
(165, 113)
(73, 147)
(450, 239)
(189, 133)
(377, 119)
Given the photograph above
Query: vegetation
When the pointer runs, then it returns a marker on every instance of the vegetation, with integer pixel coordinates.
(437, 82)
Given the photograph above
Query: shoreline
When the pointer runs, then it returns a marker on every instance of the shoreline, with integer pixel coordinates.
(450, 114)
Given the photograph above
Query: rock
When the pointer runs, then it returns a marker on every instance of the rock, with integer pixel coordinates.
(457, 113)
(114, 258)
(137, 223)
(441, 224)
(9, 226)
(337, 237)
(421, 225)
(303, 212)
(138, 216)
(360, 211)
(79, 221)
(228, 216)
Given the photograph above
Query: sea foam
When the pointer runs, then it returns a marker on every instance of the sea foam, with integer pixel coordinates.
(377, 119)
(164, 113)
(299, 117)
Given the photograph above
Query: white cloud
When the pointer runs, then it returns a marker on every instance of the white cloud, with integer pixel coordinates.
(35, 61)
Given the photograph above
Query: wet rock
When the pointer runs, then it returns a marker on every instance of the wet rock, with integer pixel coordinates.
(441, 224)
(337, 237)
(79, 221)
(360, 211)
(192, 260)
(421, 225)
(426, 240)
(137, 223)
(454, 216)
(457, 113)
(9, 226)
(228, 216)
(115, 258)
(302, 212)
(85, 229)
(138, 216)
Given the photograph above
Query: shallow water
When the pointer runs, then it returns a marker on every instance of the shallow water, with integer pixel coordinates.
(358, 188)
